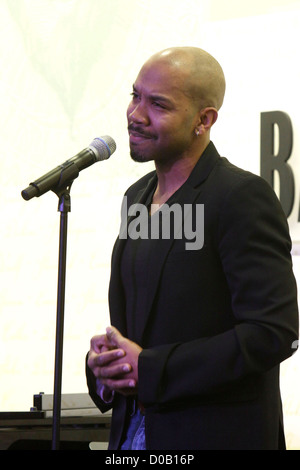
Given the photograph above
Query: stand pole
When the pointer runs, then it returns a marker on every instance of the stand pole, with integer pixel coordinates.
(64, 207)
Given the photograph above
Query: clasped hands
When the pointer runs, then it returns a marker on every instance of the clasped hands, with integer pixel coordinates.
(113, 360)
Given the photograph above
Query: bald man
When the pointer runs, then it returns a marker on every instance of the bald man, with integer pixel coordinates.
(198, 330)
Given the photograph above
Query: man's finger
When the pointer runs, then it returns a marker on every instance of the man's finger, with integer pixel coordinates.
(114, 336)
(96, 361)
(99, 343)
(109, 356)
(114, 371)
(118, 385)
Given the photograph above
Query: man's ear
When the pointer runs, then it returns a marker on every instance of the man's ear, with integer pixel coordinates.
(207, 118)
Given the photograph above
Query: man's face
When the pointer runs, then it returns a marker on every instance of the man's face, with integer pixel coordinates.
(161, 116)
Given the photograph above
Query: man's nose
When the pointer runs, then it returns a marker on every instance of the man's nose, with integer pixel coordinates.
(138, 113)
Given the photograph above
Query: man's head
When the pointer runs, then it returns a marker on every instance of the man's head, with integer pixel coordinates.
(176, 98)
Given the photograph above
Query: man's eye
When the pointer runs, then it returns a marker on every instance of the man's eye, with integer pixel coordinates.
(134, 95)
(157, 104)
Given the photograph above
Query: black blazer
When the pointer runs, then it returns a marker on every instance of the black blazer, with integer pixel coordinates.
(217, 321)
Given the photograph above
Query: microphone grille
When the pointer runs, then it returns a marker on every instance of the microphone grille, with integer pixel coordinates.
(103, 147)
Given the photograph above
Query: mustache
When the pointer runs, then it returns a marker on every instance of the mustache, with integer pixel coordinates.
(139, 130)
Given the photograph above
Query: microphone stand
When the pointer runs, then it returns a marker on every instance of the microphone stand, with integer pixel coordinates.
(62, 190)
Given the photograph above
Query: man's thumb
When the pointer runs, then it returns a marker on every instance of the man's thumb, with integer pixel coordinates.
(113, 335)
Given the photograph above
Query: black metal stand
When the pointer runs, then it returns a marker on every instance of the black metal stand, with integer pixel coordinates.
(62, 190)
(64, 207)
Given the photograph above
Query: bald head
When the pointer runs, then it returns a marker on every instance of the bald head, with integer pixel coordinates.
(203, 76)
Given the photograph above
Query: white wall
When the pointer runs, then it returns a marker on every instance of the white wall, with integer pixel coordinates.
(66, 72)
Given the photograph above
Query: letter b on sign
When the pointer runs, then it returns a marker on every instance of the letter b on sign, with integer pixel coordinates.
(271, 160)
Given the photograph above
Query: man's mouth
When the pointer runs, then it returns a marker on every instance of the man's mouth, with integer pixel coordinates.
(137, 134)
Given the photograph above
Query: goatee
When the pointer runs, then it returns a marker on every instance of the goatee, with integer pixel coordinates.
(137, 156)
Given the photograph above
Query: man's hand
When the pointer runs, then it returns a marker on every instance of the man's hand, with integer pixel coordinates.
(114, 361)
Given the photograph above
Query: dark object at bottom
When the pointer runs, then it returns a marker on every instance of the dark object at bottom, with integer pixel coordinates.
(36, 444)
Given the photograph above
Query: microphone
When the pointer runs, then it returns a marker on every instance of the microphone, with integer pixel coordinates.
(101, 148)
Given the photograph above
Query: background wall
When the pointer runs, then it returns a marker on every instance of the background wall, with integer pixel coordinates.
(66, 72)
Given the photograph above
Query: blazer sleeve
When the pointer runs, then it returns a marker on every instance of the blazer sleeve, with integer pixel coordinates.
(254, 247)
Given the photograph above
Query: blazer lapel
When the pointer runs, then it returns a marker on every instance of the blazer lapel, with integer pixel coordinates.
(186, 195)
(116, 293)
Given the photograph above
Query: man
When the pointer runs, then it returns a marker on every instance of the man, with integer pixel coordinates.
(191, 360)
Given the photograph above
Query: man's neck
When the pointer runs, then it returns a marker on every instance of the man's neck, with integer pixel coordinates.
(171, 176)
(170, 179)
